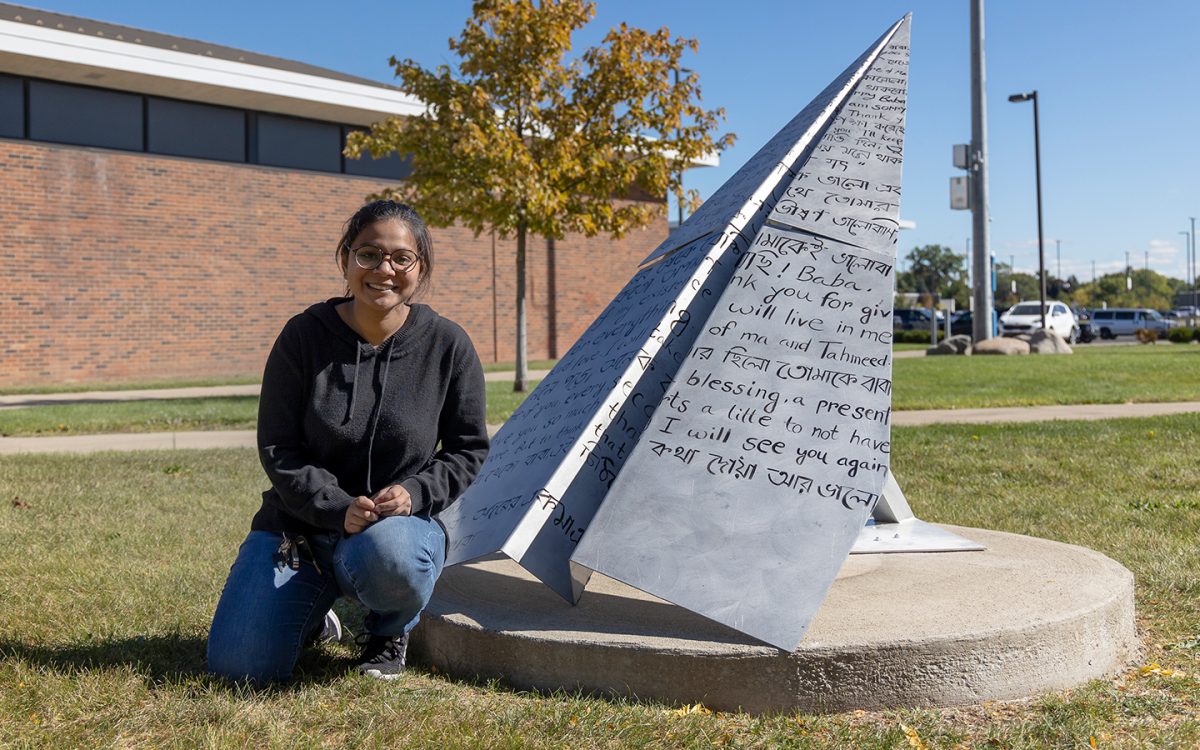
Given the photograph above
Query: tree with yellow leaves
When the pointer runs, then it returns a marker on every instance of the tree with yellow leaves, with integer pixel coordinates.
(522, 140)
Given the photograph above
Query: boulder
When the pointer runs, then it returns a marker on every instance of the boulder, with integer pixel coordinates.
(1048, 342)
(1002, 345)
(952, 345)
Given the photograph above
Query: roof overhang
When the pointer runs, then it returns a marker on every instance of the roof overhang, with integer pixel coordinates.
(59, 55)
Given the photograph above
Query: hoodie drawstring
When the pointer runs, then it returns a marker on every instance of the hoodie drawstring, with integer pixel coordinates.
(353, 385)
(385, 352)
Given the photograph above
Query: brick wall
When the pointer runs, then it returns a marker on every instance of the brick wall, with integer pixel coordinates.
(139, 267)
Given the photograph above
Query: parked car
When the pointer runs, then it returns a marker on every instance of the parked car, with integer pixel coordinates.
(1124, 321)
(1184, 313)
(1087, 333)
(960, 324)
(910, 318)
(1026, 317)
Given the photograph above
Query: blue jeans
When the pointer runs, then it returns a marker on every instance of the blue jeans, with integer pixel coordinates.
(267, 611)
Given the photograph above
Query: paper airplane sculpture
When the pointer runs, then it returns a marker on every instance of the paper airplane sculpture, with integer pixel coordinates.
(720, 435)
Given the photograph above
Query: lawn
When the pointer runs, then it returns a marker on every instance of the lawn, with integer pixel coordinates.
(533, 364)
(138, 385)
(130, 385)
(176, 415)
(1110, 374)
(108, 594)
(1092, 375)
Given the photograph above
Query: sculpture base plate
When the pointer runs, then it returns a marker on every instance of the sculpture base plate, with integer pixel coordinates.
(1025, 616)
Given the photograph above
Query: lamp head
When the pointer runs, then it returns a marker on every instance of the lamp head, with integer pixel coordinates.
(1023, 97)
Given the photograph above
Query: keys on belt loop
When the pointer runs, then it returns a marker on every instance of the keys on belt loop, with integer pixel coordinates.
(288, 553)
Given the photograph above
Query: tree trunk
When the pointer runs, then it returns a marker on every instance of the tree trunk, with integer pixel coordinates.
(519, 384)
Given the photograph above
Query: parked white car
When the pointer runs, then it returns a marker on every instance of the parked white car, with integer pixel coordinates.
(1026, 317)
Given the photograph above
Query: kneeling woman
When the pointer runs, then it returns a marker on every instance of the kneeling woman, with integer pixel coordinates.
(371, 420)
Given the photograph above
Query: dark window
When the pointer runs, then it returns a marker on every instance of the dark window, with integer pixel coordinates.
(1125, 315)
(301, 144)
(191, 129)
(84, 116)
(1102, 315)
(389, 167)
(12, 107)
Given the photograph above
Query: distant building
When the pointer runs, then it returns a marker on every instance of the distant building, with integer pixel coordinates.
(167, 204)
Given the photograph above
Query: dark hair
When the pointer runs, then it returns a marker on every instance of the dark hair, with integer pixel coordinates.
(385, 210)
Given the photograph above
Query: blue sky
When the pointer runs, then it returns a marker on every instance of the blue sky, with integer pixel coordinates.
(1117, 85)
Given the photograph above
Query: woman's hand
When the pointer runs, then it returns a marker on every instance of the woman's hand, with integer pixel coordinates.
(364, 511)
(360, 514)
(393, 500)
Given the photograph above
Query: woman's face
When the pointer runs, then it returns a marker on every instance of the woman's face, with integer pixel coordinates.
(385, 287)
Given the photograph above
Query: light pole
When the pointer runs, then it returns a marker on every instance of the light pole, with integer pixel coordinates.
(1037, 165)
(1058, 257)
(983, 324)
(679, 198)
(1187, 259)
(1193, 259)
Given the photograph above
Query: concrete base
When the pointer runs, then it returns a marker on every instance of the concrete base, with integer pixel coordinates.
(1026, 616)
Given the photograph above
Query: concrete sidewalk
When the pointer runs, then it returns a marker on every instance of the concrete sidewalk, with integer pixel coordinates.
(246, 439)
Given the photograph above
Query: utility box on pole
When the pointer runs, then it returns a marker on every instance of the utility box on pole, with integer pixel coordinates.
(962, 155)
(960, 193)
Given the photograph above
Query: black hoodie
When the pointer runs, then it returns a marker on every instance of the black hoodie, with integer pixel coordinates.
(339, 418)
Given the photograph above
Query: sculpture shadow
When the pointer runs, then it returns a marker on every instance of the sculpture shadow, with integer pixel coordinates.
(508, 603)
(163, 659)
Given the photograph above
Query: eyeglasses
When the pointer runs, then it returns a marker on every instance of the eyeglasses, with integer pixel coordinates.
(369, 257)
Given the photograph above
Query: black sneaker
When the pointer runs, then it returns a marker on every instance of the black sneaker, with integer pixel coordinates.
(383, 656)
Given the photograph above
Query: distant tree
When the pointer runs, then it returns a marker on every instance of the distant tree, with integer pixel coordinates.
(1060, 289)
(937, 272)
(1144, 289)
(522, 140)
(1013, 287)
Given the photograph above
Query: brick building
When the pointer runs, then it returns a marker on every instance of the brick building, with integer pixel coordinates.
(167, 204)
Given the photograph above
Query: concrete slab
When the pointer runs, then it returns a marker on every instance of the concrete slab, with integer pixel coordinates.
(138, 441)
(1041, 413)
(129, 441)
(509, 375)
(1026, 616)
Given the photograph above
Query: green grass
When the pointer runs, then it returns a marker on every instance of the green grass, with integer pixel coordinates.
(177, 415)
(534, 364)
(1110, 374)
(502, 401)
(109, 591)
(174, 415)
(128, 385)
(139, 385)
(1096, 375)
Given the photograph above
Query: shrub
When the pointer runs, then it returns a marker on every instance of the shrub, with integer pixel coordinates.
(1182, 334)
(915, 336)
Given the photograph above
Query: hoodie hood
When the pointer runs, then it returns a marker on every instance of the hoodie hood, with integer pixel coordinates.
(420, 319)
